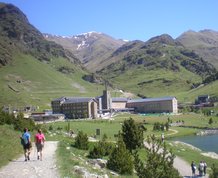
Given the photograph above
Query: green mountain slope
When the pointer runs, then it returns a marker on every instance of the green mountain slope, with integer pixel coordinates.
(27, 81)
(18, 35)
(33, 71)
(204, 43)
(159, 67)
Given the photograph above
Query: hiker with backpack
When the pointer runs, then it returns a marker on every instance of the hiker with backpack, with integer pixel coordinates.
(39, 141)
(26, 143)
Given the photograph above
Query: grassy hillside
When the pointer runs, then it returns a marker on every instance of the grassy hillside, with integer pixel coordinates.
(156, 83)
(10, 146)
(191, 95)
(159, 67)
(27, 81)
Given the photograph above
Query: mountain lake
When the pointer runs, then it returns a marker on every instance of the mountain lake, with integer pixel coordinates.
(207, 143)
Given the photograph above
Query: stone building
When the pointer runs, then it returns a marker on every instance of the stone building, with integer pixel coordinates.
(119, 103)
(154, 105)
(75, 107)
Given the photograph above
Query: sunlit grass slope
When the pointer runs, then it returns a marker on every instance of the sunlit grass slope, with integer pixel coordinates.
(27, 81)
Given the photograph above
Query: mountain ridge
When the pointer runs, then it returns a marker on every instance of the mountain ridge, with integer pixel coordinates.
(91, 47)
(159, 63)
(20, 35)
(204, 43)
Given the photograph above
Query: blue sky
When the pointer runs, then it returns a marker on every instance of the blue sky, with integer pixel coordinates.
(121, 19)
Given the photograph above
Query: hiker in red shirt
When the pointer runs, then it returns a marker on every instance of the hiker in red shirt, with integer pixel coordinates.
(39, 141)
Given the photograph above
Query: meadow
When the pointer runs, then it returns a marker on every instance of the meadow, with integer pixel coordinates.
(68, 156)
(71, 156)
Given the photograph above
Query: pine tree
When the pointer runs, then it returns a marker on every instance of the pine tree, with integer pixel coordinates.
(120, 159)
(159, 162)
(132, 134)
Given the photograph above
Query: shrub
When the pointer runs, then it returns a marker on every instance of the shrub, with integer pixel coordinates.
(19, 122)
(50, 128)
(210, 121)
(157, 126)
(214, 173)
(103, 148)
(81, 141)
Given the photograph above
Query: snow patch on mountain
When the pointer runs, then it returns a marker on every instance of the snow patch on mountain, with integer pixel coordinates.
(82, 45)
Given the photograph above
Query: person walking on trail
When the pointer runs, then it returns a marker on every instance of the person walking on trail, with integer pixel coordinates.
(201, 168)
(162, 137)
(193, 167)
(26, 142)
(205, 168)
(39, 141)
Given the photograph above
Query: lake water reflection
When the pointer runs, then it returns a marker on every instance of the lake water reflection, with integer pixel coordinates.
(207, 143)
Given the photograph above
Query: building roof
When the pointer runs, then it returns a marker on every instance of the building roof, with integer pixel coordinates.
(150, 99)
(78, 100)
(203, 96)
(119, 99)
(59, 99)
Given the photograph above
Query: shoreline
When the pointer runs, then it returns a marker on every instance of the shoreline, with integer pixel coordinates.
(207, 154)
(207, 132)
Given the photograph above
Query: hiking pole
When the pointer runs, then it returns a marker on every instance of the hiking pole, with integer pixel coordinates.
(35, 150)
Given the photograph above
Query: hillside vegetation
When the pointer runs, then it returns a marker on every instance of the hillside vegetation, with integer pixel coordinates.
(10, 144)
(27, 81)
(33, 71)
(158, 67)
(204, 43)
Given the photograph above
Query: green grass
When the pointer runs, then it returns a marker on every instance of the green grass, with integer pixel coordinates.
(29, 82)
(111, 127)
(89, 127)
(68, 156)
(10, 147)
(156, 88)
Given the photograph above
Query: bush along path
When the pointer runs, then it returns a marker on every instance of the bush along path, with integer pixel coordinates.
(33, 168)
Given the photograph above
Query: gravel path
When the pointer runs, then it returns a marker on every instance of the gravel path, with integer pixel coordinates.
(34, 168)
(184, 168)
(47, 168)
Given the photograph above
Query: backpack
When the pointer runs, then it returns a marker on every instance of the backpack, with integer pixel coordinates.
(24, 139)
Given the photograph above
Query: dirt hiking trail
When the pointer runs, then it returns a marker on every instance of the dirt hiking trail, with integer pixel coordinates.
(33, 168)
